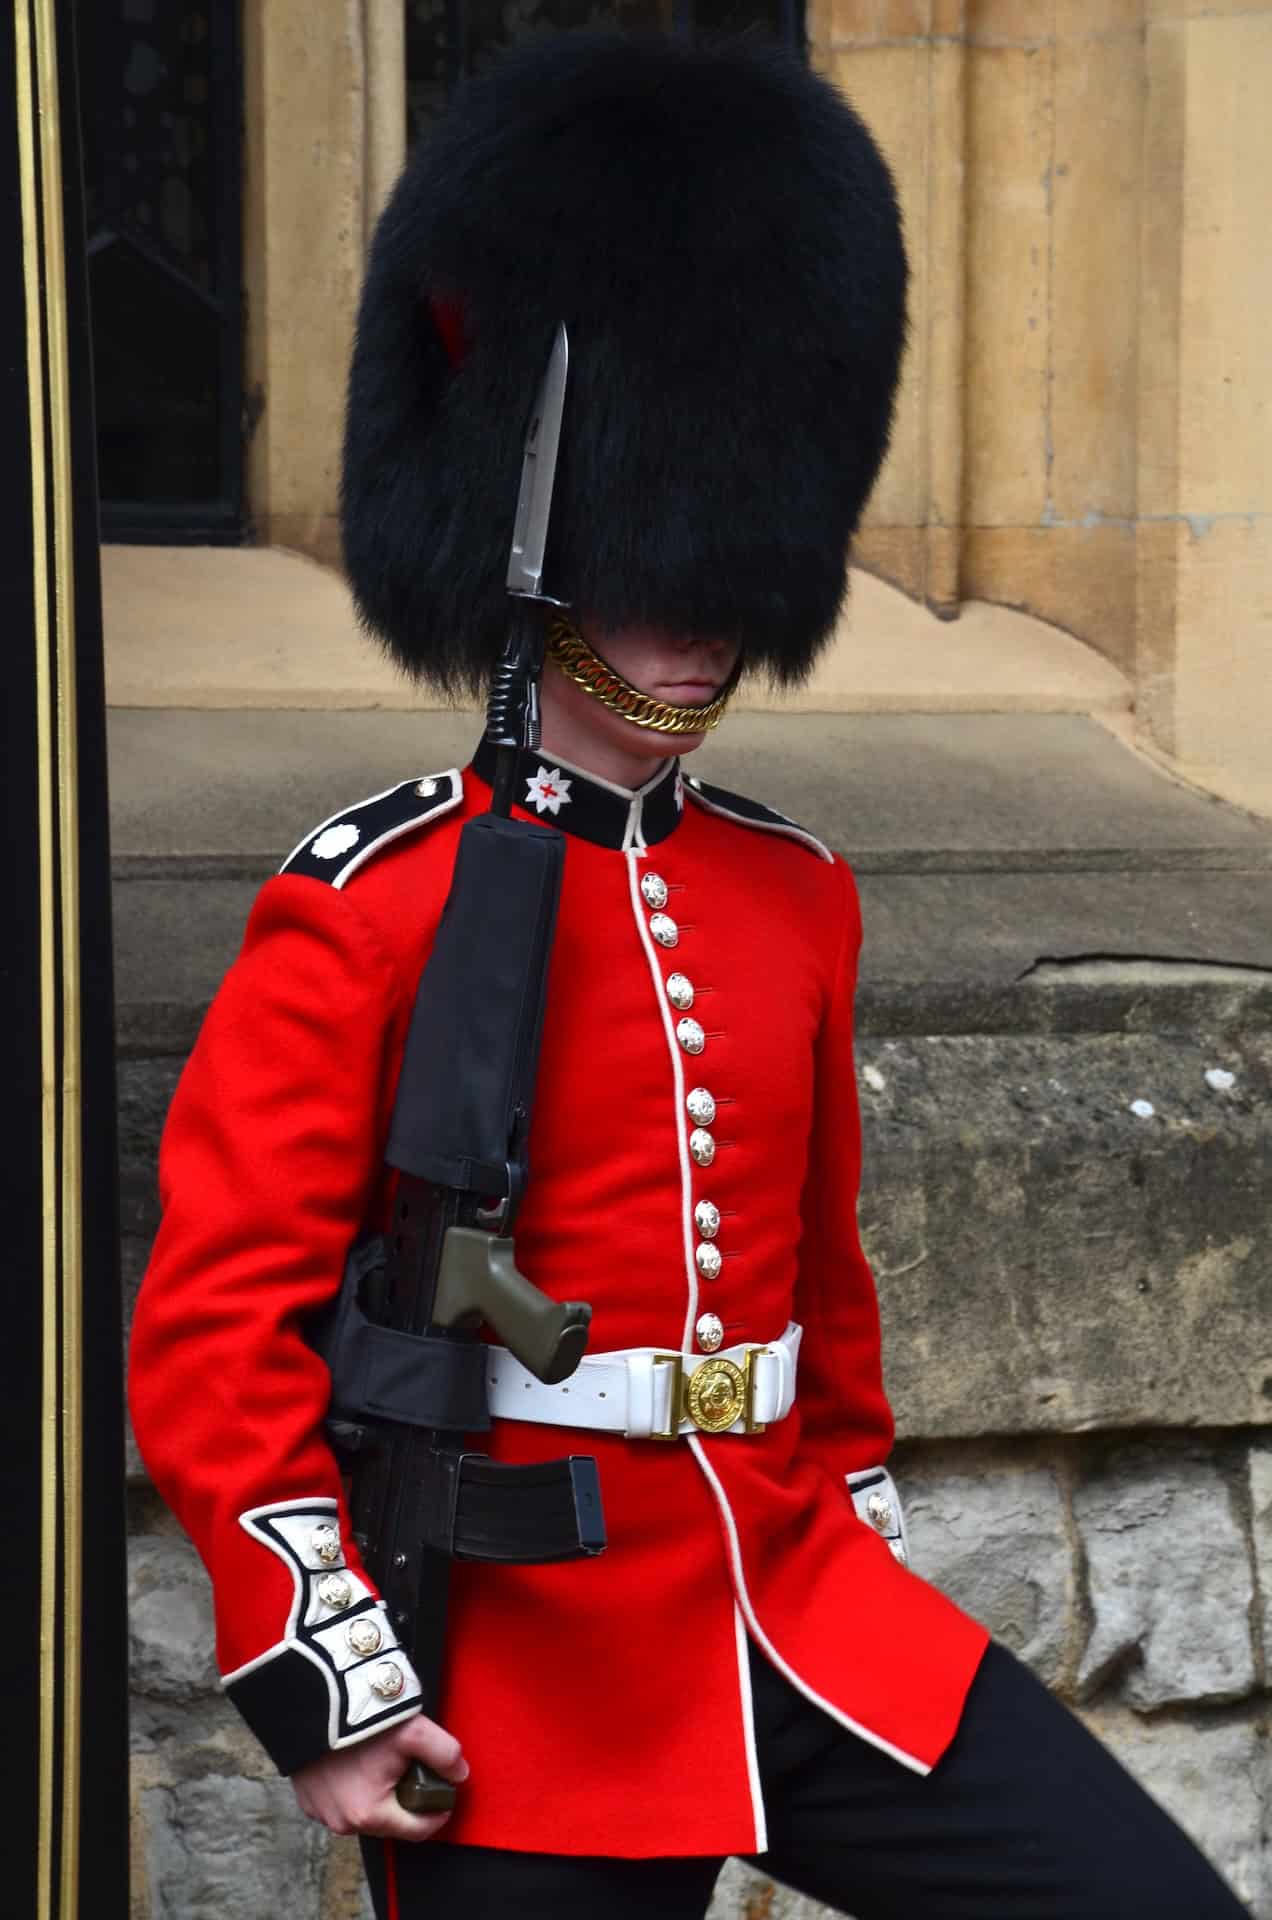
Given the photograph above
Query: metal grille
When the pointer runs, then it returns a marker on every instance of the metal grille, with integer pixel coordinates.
(160, 98)
(446, 39)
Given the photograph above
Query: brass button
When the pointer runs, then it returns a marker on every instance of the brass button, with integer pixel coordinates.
(690, 1036)
(680, 992)
(334, 1590)
(702, 1146)
(879, 1512)
(654, 889)
(706, 1217)
(664, 930)
(709, 1331)
(363, 1635)
(324, 1543)
(702, 1107)
(708, 1259)
(388, 1680)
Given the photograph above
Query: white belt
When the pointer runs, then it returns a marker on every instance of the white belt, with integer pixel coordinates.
(648, 1393)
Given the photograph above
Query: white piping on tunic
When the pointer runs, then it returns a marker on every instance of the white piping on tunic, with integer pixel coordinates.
(786, 828)
(682, 1144)
(336, 818)
(633, 853)
(634, 831)
(396, 833)
(420, 819)
(748, 1731)
(762, 1640)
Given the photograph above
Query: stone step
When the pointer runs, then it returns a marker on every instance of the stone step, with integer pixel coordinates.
(1018, 872)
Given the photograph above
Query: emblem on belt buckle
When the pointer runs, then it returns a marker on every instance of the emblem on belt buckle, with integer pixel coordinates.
(715, 1396)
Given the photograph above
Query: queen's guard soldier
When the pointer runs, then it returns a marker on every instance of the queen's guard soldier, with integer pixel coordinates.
(750, 1667)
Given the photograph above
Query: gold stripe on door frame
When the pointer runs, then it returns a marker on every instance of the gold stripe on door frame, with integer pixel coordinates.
(61, 1421)
(67, 770)
(48, 1035)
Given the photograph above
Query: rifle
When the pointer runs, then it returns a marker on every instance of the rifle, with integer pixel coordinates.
(408, 1372)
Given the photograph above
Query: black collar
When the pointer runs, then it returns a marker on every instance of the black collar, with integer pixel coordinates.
(552, 790)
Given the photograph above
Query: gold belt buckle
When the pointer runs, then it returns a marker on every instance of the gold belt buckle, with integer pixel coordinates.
(716, 1395)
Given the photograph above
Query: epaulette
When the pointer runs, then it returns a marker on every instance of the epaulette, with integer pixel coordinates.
(752, 813)
(334, 851)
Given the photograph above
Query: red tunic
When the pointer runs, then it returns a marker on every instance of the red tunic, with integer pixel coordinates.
(603, 1705)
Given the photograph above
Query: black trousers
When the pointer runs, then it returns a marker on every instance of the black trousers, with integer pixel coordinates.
(1026, 1817)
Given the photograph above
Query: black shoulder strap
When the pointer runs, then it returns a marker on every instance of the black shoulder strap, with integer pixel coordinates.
(752, 813)
(341, 845)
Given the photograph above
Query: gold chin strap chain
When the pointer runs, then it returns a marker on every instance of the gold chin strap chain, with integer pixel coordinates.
(579, 663)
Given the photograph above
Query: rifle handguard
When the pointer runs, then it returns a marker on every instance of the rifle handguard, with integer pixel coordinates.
(479, 1280)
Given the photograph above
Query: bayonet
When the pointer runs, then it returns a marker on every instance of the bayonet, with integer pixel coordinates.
(538, 476)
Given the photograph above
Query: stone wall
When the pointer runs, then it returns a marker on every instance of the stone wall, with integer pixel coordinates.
(1076, 1298)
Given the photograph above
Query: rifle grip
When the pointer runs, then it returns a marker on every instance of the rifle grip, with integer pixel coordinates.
(479, 1279)
(420, 1790)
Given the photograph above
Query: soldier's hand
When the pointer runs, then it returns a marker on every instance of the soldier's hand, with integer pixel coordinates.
(352, 1789)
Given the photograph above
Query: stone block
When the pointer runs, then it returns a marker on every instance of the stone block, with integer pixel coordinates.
(1161, 274)
(1011, 22)
(743, 1893)
(850, 20)
(1214, 1777)
(1085, 18)
(1046, 1260)
(890, 88)
(895, 554)
(1169, 1581)
(904, 19)
(995, 1541)
(1205, 645)
(1225, 389)
(304, 225)
(134, 1466)
(345, 1895)
(1094, 317)
(1223, 643)
(1082, 577)
(171, 1634)
(1009, 282)
(221, 1846)
(1158, 544)
(174, 1739)
(1261, 1532)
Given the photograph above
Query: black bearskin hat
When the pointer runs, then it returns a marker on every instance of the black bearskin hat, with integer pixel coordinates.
(720, 235)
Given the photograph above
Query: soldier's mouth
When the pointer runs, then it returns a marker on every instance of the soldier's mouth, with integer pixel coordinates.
(689, 693)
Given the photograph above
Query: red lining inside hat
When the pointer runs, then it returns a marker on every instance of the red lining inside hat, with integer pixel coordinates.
(448, 317)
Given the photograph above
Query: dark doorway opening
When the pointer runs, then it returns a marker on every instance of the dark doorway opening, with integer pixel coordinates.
(161, 94)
